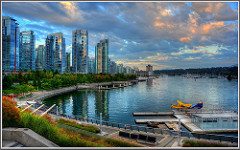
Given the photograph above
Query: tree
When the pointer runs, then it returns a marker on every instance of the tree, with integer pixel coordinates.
(7, 82)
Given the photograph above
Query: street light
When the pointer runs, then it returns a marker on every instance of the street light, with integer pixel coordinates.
(101, 123)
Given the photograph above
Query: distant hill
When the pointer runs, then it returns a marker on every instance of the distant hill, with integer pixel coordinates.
(236, 65)
(224, 71)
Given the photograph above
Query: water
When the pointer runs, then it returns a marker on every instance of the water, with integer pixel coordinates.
(117, 105)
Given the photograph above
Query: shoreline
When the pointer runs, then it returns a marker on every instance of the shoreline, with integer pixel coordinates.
(44, 94)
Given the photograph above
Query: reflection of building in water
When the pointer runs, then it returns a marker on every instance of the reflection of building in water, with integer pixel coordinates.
(101, 103)
(80, 104)
(149, 82)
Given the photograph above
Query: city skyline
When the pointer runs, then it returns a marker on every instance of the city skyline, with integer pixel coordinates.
(163, 34)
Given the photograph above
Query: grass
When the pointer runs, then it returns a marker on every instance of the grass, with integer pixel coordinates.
(202, 144)
(107, 142)
(76, 125)
(66, 136)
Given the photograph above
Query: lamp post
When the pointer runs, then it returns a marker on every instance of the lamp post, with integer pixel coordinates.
(101, 123)
(57, 112)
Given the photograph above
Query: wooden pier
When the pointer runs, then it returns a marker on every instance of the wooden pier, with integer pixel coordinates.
(170, 113)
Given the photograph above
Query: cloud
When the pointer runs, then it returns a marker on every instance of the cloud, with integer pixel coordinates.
(138, 31)
(185, 39)
(192, 58)
(219, 11)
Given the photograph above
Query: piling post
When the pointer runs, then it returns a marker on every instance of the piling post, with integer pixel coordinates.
(179, 132)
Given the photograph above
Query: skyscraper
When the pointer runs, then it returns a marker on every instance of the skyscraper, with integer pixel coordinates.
(120, 68)
(27, 50)
(91, 65)
(40, 57)
(101, 57)
(55, 52)
(10, 47)
(67, 61)
(80, 51)
(113, 67)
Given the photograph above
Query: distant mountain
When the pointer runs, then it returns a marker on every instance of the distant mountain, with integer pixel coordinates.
(236, 65)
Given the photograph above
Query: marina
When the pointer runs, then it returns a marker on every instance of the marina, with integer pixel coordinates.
(187, 120)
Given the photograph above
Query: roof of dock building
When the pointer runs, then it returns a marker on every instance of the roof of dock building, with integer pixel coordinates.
(220, 115)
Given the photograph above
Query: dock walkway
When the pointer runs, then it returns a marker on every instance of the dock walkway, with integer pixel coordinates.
(142, 121)
(170, 113)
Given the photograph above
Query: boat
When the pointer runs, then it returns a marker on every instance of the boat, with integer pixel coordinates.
(182, 105)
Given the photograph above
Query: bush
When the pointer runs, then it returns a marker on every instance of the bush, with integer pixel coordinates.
(76, 125)
(202, 144)
(10, 113)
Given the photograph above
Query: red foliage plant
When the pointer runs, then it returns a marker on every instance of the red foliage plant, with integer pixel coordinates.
(10, 114)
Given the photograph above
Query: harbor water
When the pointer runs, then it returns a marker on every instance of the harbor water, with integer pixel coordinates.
(117, 105)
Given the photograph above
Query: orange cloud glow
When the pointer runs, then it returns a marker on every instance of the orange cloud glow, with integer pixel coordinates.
(166, 12)
(185, 39)
(208, 9)
(211, 25)
(159, 24)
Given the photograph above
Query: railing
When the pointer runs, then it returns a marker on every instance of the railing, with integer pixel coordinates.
(157, 131)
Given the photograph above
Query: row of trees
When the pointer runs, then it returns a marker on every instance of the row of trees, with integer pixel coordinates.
(52, 79)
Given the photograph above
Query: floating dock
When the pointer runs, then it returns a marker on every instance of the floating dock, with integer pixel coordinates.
(169, 113)
(142, 121)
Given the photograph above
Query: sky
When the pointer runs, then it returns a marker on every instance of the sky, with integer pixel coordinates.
(167, 35)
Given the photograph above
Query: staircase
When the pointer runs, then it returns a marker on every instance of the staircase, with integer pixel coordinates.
(11, 143)
(167, 141)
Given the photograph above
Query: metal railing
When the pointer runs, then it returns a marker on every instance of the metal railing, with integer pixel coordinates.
(145, 129)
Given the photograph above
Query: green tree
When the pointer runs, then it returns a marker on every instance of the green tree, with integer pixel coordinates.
(7, 82)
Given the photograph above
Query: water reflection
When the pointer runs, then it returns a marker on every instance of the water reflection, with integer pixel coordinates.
(80, 104)
(101, 103)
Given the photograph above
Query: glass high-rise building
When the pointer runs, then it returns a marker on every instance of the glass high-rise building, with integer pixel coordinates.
(67, 61)
(55, 52)
(120, 68)
(27, 50)
(113, 67)
(101, 57)
(40, 57)
(10, 44)
(91, 65)
(80, 51)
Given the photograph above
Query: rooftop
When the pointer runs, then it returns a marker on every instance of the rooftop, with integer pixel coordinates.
(220, 115)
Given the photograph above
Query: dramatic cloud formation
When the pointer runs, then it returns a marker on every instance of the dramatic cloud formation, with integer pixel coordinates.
(163, 34)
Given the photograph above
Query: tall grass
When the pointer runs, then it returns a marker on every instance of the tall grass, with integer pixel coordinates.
(66, 137)
(76, 125)
(39, 125)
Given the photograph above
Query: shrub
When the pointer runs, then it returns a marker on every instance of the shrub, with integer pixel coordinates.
(10, 113)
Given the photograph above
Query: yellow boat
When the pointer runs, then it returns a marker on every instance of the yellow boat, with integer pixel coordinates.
(181, 105)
